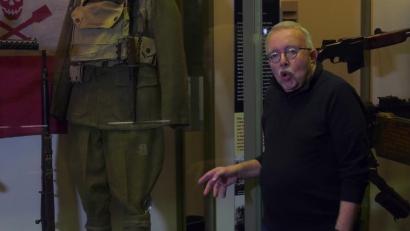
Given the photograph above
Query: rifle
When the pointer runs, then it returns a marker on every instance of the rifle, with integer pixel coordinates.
(388, 198)
(350, 50)
(47, 180)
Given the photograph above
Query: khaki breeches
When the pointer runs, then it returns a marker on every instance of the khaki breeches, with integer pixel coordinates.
(124, 164)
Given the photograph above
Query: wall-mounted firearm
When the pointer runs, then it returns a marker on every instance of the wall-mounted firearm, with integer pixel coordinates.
(350, 50)
(47, 179)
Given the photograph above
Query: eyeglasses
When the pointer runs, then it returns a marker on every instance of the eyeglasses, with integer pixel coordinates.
(290, 53)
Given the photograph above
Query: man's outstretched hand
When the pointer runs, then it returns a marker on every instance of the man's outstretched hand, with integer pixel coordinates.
(218, 180)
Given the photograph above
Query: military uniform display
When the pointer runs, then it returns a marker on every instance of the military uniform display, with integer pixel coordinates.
(118, 90)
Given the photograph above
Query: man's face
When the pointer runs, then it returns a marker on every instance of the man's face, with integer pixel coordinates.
(290, 73)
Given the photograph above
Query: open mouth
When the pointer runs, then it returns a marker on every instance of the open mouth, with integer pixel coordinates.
(285, 75)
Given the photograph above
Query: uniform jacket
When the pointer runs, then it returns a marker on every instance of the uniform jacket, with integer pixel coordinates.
(161, 93)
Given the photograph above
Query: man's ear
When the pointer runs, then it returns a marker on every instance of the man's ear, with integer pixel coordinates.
(313, 55)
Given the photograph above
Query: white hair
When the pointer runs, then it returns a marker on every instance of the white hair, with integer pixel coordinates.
(291, 25)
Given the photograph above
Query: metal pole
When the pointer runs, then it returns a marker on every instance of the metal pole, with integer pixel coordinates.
(365, 72)
(252, 34)
(365, 94)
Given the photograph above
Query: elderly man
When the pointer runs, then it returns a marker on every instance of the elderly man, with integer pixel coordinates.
(314, 170)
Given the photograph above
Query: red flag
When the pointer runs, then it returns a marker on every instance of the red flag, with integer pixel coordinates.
(20, 96)
(20, 76)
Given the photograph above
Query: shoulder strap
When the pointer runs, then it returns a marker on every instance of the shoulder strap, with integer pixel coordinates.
(145, 14)
(133, 6)
(140, 16)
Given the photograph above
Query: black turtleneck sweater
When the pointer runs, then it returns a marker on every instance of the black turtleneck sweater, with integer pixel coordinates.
(315, 153)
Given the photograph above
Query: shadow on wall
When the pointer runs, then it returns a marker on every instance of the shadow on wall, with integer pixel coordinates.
(388, 59)
(3, 188)
(68, 213)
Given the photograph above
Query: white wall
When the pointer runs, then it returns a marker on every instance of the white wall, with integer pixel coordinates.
(390, 65)
(391, 76)
(20, 177)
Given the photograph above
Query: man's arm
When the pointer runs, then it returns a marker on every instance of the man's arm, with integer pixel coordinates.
(248, 169)
(348, 131)
(348, 213)
(219, 178)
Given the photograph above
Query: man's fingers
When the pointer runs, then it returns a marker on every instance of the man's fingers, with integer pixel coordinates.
(204, 178)
(207, 176)
(212, 181)
(208, 187)
(219, 190)
(215, 189)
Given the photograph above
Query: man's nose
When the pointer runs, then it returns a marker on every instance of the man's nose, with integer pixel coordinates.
(283, 61)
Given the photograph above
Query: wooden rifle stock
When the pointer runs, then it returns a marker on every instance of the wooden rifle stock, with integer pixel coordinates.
(388, 198)
(384, 39)
(47, 179)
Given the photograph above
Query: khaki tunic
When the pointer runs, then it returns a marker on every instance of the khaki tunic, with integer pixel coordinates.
(170, 78)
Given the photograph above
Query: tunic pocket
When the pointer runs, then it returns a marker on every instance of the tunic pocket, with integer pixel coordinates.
(80, 96)
(148, 95)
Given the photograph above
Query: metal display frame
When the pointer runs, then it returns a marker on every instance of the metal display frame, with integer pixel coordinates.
(252, 30)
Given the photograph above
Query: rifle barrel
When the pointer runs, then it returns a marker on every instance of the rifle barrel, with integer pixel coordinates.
(47, 184)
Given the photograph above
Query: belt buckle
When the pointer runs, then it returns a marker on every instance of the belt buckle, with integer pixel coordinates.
(76, 72)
